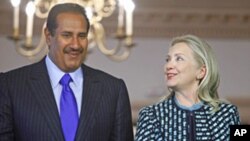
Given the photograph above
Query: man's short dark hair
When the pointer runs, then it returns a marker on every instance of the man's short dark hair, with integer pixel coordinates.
(63, 8)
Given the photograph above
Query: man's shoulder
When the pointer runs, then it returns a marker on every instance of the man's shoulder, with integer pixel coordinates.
(93, 72)
(23, 70)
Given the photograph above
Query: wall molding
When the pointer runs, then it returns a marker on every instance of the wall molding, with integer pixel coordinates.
(167, 18)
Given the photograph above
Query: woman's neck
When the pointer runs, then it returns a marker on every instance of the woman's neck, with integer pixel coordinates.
(187, 99)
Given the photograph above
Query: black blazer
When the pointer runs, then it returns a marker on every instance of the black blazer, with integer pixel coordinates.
(28, 110)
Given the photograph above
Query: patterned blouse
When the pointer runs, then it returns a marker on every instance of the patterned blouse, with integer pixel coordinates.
(168, 121)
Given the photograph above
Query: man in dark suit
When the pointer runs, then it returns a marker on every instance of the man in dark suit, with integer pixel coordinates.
(30, 97)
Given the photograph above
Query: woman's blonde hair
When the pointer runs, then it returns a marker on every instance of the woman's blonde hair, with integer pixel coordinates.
(204, 55)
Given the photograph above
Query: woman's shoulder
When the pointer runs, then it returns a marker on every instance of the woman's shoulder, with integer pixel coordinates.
(151, 115)
(223, 106)
(148, 124)
(226, 106)
(227, 112)
(154, 108)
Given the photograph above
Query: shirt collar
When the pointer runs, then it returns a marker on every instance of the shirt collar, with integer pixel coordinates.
(56, 74)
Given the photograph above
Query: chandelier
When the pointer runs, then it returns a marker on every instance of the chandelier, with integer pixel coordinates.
(96, 11)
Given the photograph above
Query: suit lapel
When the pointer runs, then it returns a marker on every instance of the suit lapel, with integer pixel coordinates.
(91, 97)
(41, 87)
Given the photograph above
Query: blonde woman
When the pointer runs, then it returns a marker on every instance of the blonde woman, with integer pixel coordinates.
(193, 110)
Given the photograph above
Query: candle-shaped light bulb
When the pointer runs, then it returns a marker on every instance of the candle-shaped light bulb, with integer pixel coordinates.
(15, 4)
(89, 14)
(30, 10)
(121, 14)
(129, 7)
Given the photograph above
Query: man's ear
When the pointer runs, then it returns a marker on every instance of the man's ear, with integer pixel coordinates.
(47, 35)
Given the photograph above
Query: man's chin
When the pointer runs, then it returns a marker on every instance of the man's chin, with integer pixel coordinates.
(72, 67)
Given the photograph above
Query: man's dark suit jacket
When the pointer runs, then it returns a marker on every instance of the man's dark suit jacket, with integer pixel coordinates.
(28, 110)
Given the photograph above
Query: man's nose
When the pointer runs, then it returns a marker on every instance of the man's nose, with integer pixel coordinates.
(75, 42)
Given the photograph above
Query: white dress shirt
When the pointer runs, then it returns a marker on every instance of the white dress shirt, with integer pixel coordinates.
(76, 85)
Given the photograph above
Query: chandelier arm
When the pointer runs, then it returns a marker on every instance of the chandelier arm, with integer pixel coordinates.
(40, 14)
(121, 57)
(46, 6)
(99, 32)
(32, 51)
(104, 8)
(99, 9)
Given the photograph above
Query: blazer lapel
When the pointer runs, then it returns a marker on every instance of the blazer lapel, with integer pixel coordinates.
(91, 96)
(41, 87)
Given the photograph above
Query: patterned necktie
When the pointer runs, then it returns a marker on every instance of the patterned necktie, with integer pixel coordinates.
(68, 109)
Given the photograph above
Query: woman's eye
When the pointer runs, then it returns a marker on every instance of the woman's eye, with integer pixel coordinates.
(179, 58)
(167, 59)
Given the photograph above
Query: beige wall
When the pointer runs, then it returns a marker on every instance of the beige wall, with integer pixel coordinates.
(143, 71)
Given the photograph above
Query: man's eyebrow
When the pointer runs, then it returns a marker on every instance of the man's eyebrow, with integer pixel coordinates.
(67, 32)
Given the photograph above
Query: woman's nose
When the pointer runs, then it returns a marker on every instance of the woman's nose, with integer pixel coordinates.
(169, 65)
